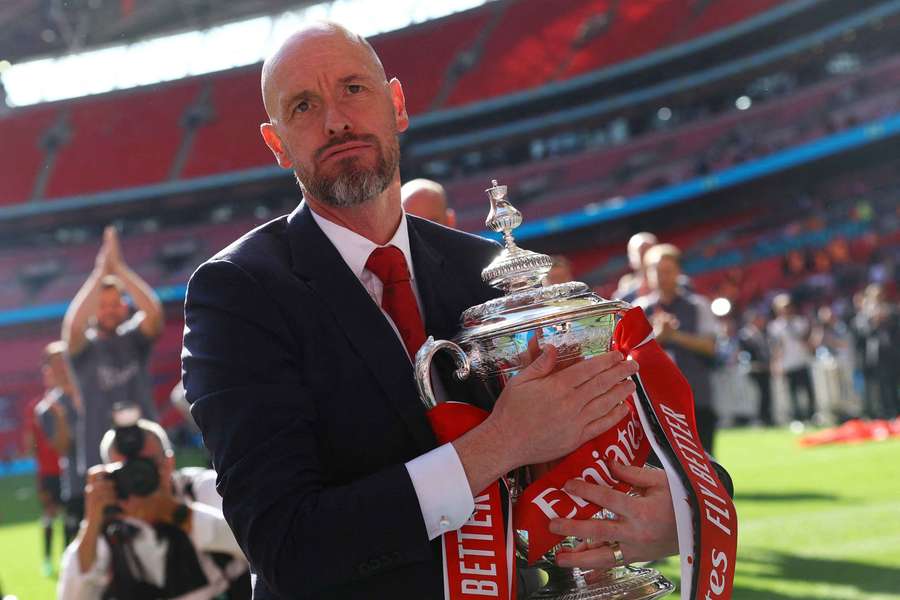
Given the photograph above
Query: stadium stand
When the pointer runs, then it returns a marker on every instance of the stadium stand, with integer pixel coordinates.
(109, 145)
(546, 187)
(534, 47)
(229, 139)
(705, 145)
(207, 125)
(22, 133)
(449, 42)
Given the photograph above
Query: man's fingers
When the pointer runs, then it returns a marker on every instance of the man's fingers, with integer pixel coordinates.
(608, 498)
(605, 422)
(579, 547)
(541, 367)
(604, 380)
(646, 477)
(597, 530)
(585, 370)
(603, 402)
(594, 558)
(608, 382)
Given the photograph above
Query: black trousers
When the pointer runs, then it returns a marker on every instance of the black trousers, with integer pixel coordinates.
(763, 382)
(706, 426)
(885, 384)
(74, 513)
(797, 379)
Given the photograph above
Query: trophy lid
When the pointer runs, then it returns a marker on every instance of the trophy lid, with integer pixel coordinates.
(514, 268)
(520, 273)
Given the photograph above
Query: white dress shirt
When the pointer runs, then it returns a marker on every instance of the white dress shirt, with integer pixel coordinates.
(437, 476)
(209, 533)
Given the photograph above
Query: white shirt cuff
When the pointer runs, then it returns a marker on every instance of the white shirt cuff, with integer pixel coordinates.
(443, 490)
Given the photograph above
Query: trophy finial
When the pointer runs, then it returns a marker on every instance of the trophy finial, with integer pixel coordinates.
(514, 269)
(503, 217)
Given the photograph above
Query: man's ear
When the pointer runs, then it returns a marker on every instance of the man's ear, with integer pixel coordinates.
(399, 101)
(274, 143)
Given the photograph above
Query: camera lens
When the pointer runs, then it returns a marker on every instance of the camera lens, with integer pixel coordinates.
(129, 440)
(137, 477)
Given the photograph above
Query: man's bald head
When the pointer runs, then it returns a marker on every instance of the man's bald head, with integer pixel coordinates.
(637, 246)
(302, 41)
(427, 199)
(333, 118)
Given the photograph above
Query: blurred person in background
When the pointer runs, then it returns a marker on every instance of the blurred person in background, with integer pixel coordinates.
(156, 533)
(686, 328)
(560, 271)
(789, 336)
(47, 484)
(633, 285)
(878, 324)
(755, 344)
(110, 350)
(58, 414)
(833, 342)
(427, 199)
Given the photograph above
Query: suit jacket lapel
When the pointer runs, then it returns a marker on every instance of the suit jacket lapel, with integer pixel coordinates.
(317, 261)
(442, 311)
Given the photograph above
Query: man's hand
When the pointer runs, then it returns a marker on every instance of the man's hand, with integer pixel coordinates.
(545, 412)
(101, 263)
(113, 249)
(664, 326)
(644, 527)
(544, 415)
(99, 492)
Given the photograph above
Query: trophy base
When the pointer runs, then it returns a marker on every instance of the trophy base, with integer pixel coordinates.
(622, 583)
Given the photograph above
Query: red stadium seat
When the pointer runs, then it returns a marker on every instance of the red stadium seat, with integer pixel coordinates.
(524, 50)
(121, 140)
(20, 146)
(536, 44)
(424, 72)
(231, 140)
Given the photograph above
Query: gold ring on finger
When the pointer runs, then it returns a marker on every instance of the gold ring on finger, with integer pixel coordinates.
(617, 554)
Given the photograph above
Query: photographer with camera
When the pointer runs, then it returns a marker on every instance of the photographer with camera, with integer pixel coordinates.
(151, 531)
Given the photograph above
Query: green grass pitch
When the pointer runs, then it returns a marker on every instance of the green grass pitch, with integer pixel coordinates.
(817, 523)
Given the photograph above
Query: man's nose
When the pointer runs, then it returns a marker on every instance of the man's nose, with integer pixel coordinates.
(336, 122)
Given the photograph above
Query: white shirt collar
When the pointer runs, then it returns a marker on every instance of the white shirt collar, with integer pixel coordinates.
(355, 249)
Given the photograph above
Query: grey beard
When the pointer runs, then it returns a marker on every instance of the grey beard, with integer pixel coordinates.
(353, 187)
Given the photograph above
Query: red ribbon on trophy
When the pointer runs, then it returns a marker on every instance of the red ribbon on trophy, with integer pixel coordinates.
(545, 499)
(479, 556)
(661, 416)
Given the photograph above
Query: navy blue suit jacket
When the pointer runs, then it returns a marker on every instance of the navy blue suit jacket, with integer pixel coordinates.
(307, 402)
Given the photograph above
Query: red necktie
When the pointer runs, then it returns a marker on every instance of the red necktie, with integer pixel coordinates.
(398, 300)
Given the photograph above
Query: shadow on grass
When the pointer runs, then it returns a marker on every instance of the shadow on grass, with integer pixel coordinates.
(784, 497)
(868, 579)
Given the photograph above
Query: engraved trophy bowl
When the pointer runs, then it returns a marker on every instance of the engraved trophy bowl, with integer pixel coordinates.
(501, 337)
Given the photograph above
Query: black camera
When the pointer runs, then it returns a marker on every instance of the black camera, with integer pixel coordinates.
(135, 475)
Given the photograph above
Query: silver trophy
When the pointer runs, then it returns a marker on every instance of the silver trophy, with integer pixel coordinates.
(501, 337)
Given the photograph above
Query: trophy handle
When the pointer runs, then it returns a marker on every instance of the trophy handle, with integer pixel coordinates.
(423, 366)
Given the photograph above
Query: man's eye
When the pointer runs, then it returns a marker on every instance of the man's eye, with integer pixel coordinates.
(302, 107)
(354, 88)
